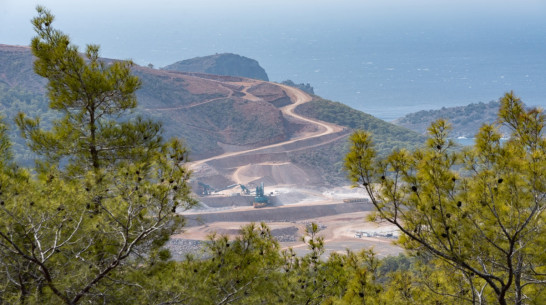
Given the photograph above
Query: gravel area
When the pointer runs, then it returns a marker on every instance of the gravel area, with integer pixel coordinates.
(181, 247)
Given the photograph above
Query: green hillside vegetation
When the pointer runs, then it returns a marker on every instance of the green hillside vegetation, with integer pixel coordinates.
(16, 69)
(386, 136)
(221, 64)
(16, 99)
(465, 120)
(327, 159)
(90, 223)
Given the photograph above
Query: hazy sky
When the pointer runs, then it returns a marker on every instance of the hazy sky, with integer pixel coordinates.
(101, 20)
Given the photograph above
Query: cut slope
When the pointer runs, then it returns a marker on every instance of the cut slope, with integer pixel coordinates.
(211, 113)
(226, 121)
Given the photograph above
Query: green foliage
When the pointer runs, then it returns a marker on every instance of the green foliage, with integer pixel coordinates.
(12, 101)
(327, 159)
(466, 120)
(478, 212)
(102, 203)
(5, 145)
(251, 269)
(238, 271)
(92, 96)
(387, 136)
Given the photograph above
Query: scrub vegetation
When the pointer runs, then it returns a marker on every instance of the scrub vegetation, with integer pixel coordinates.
(88, 223)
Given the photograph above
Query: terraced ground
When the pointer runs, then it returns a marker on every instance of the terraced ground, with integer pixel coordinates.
(239, 131)
(296, 201)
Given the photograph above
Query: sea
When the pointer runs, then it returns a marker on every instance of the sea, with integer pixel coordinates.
(379, 60)
(385, 72)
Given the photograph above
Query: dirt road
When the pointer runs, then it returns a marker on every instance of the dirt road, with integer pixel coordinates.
(298, 97)
(339, 230)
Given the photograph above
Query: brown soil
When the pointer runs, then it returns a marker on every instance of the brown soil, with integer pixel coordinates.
(338, 232)
(271, 164)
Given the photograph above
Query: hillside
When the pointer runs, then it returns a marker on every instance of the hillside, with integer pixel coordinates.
(208, 112)
(16, 69)
(221, 64)
(212, 112)
(219, 115)
(465, 120)
(329, 159)
(386, 135)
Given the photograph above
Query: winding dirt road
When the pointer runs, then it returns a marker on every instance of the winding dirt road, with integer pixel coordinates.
(339, 229)
(298, 97)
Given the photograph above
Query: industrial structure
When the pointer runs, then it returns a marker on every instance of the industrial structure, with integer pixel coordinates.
(248, 196)
(260, 200)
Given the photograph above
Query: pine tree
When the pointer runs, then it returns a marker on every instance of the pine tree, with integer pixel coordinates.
(479, 211)
(103, 201)
(95, 97)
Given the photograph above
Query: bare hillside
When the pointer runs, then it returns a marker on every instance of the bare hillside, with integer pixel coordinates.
(239, 129)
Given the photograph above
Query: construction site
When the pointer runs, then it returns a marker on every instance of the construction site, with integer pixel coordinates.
(263, 184)
(340, 213)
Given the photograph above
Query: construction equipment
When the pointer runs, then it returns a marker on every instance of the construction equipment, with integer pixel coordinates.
(207, 189)
(260, 200)
(245, 189)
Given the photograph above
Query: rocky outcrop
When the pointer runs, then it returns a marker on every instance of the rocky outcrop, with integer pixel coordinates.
(221, 64)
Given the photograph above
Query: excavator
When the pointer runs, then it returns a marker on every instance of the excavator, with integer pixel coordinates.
(245, 189)
(207, 189)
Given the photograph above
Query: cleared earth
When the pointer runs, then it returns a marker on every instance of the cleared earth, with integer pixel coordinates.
(297, 196)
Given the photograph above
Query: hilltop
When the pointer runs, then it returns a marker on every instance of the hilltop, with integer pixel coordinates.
(221, 64)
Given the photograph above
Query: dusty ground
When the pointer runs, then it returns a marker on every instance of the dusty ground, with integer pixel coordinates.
(338, 232)
(287, 183)
(298, 97)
